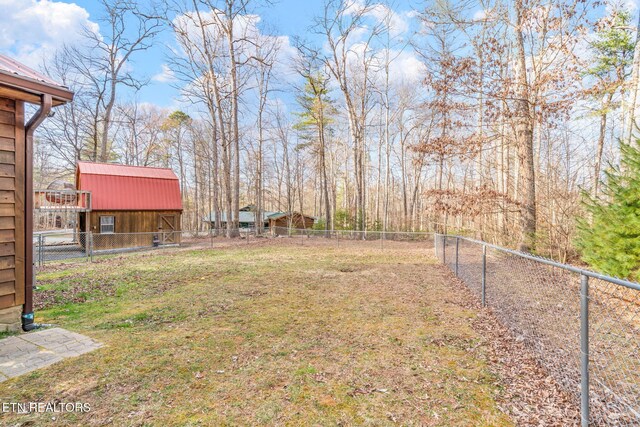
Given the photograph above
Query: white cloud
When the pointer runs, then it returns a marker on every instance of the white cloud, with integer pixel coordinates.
(407, 67)
(246, 27)
(165, 76)
(397, 23)
(404, 68)
(631, 5)
(354, 7)
(381, 14)
(31, 30)
(287, 55)
(480, 15)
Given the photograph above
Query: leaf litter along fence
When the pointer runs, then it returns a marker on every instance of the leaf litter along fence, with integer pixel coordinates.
(583, 327)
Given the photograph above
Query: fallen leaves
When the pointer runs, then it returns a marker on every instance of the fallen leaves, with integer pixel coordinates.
(528, 394)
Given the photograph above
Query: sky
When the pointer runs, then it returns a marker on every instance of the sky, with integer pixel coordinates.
(32, 30)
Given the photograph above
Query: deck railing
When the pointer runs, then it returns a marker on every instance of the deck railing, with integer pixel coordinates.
(62, 200)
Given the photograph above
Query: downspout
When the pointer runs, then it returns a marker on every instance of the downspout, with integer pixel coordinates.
(32, 125)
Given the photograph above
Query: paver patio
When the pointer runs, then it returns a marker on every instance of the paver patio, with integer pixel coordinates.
(25, 353)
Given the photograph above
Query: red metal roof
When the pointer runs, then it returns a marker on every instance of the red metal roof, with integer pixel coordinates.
(21, 77)
(12, 66)
(129, 188)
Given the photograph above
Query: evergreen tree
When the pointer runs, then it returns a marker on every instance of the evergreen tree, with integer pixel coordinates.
(611, 242)
(317, 114)
(611, 65)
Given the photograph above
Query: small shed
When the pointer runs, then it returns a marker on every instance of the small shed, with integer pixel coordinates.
(290, 219)
(246, 218)
(130, 205)
(19, 85)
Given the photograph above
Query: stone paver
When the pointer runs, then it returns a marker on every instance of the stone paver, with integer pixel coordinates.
(25, 353)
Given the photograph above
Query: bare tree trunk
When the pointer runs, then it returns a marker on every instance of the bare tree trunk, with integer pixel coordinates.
(524, 138)
(323, 167)
(600, 147)
(106, 121)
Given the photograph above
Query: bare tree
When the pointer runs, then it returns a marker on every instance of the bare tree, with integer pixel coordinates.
(264, 55)
(103, 61)
(350, 64)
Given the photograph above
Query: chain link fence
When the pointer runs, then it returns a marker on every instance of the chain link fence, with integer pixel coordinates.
(385, 239)
(583, 327)
(72, 245)
(59, 246)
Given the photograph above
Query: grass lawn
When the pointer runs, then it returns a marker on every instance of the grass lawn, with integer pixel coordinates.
(268, 334)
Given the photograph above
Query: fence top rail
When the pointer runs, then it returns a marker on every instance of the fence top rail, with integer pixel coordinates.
(567, 267)
(426, 233)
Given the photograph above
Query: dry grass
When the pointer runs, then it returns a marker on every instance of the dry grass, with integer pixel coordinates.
(271, 334)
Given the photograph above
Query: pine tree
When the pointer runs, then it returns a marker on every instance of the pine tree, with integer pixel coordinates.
(317, 114)
(612, 58)
(611, 242)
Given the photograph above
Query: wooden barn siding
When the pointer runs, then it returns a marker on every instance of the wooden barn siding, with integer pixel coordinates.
(298, 222)
(12, 181)
(129, 222)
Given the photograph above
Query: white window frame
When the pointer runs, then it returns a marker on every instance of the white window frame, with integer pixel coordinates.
(105, 227)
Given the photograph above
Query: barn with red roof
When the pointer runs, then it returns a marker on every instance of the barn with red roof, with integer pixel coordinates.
(130, 205)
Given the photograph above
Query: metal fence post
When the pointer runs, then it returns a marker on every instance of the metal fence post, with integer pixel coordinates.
(584, 351)
(90, 243)
(457, 246)
(444, 248)
(484, 276)
(40, 250)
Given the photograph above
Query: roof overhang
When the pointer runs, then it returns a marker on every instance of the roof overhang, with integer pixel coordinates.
(31, 90)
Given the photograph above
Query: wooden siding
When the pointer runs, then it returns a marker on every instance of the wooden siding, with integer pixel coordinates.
(12, 184)
(134, 222)
(297, 221)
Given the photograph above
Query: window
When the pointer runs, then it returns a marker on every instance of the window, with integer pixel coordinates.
(107, 224)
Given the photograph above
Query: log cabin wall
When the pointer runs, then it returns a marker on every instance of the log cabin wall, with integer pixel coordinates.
(12, 187)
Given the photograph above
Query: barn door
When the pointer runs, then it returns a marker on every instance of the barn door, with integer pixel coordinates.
(167, 228)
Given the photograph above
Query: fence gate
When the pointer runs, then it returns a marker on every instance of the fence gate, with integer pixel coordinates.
(167, 228)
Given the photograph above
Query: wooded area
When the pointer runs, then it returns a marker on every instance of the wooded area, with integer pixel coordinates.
(517, 108)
